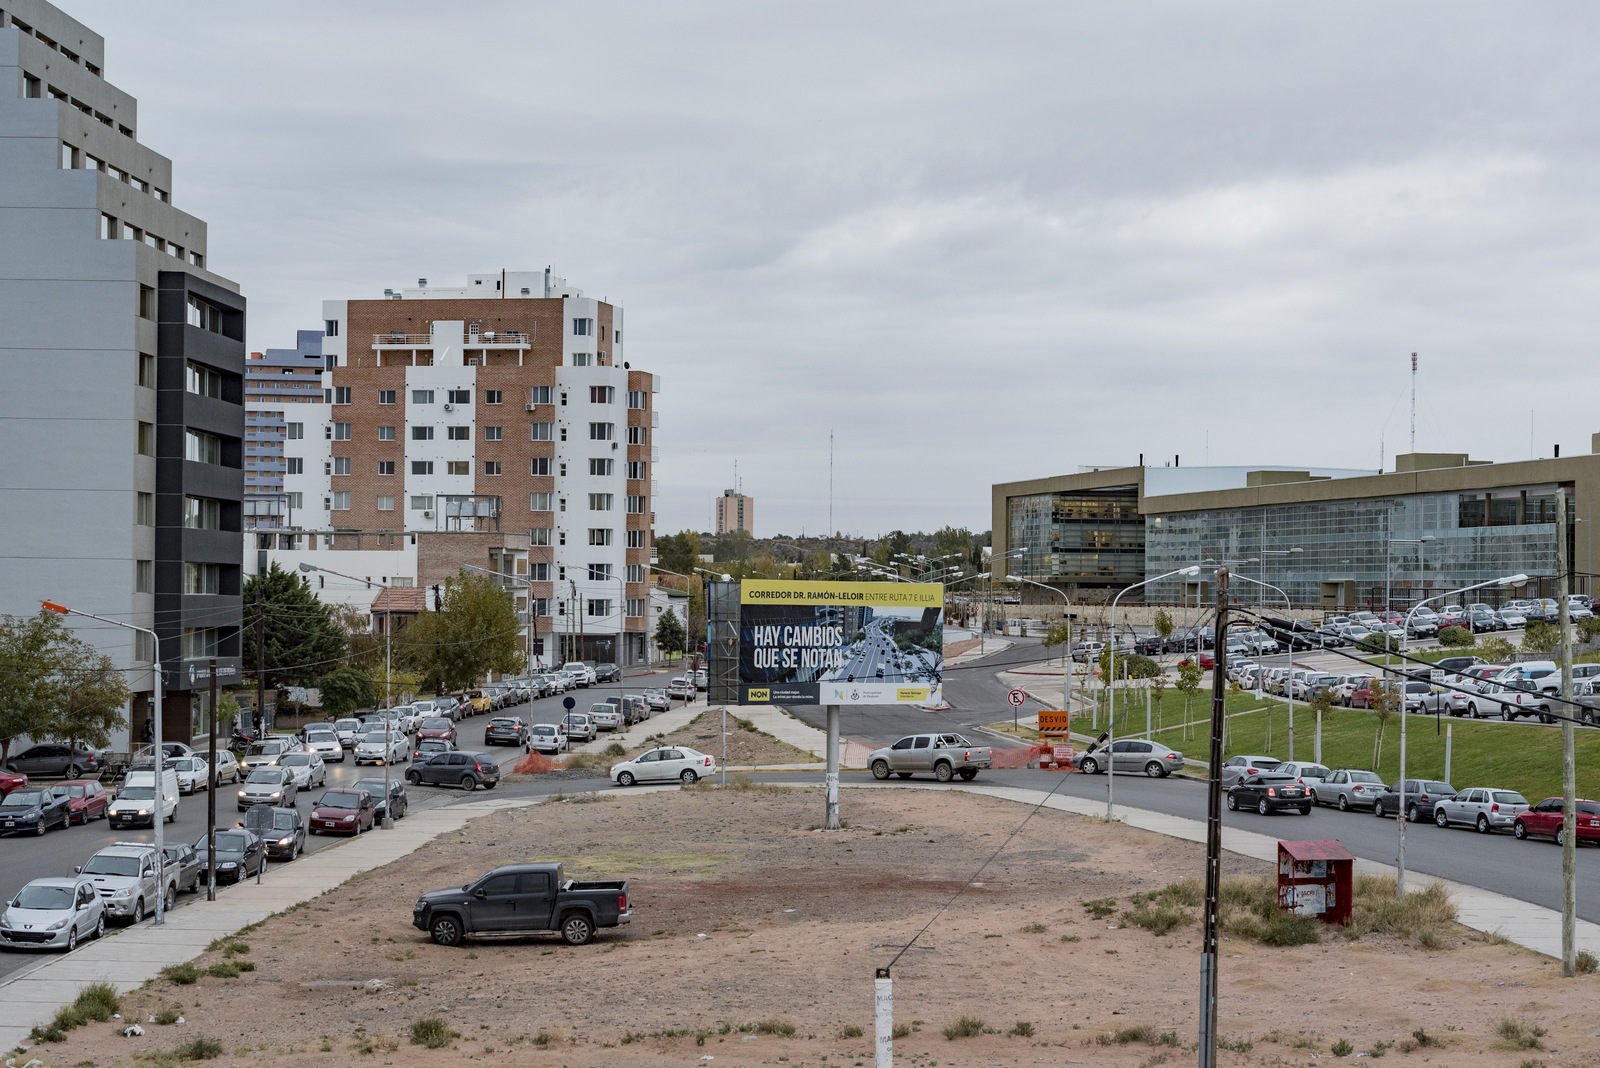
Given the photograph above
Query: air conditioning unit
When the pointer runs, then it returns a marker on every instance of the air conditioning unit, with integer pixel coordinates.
(530, 407)
(427, 515)
(449, 407)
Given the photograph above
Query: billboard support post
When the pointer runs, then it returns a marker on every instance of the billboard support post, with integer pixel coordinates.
(830, 820)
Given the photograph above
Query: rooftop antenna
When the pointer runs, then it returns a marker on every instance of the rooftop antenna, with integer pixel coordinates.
(830, 482)
(1413, 402)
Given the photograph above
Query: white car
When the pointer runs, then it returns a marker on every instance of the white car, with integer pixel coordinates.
(53, 914)
(664, 763)
(307, 768)
(326, 745)
(657, 698)
(226, 769)
(191, 773)
(269, 752)
(374, 748)
(348, 730)
(407, 720)
(548, 738)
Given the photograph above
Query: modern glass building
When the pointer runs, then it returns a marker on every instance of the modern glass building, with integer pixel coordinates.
(1327, 538)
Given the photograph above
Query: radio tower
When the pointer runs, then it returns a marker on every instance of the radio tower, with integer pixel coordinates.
(1413, 402)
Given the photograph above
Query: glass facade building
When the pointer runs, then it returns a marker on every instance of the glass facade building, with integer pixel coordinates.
(1089, 537)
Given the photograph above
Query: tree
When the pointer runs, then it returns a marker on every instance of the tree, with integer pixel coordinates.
(54, 685)
(1163, 622)
(474, 632)
(345, 690)
(1188, 684)
(679, 552)
(301, 640)
(1058, 634)
(1456, 638)
(1540, 637)
(1495, 649)
(670, 635)
(92, 699)
(1386, 698)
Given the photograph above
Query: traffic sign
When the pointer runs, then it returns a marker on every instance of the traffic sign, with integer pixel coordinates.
(568, 703)
(1016, 697)
(1436, 675)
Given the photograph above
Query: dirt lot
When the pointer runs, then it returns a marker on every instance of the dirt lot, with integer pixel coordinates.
(747, 747)
(750, 923)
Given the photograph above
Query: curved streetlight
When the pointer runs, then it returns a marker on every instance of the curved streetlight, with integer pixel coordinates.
(1111, 676)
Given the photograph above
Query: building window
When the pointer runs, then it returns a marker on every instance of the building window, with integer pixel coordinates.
(147, 302)
(636, 539)
(422, 396)
(491, 396)
(341, 394)
(341, 501)
(636, 435)
(539, 536)
(144, 509)
(385, 396)
(108, 228)
(341, 465)
(385, 502)
(538, 502)
(202, 513)
(460, 396)
(143, 647)
(341, 432)
(636, 504)
(491, 433)
(201, 447)
(599, 572)
(200, 313)
(539, 466)
(458, 467)
(32, 88)
(543, 431)
(202, 578)
(602, 431)
(144, 576)
(385, 467)
(601, 395)
(146, 443)
(147, 370)
(635, 607)
(540, 606)
(296, 499)
(539, 395)
(599, 607)
(294, 465)
(422, 433)
(582, 327)
(636, 469)
(635, 572)
(422, 502)
(599, 535)
(386, 433)
(491, 467)
(599, 502)
(295, 431)
(199, 642)
(600, 466)
(330, 328)
(459, 433)
(636, 399)
(422, 467)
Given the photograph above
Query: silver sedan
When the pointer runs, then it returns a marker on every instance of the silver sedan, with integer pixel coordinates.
(1486, 808)
(1132, 755)
(1348, 788)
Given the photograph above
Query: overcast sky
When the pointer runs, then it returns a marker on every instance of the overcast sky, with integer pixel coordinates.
(980, 242)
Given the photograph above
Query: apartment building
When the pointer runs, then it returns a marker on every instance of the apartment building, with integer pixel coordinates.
(121, 376)
(735, 511)
(276, 383)
(505, 404)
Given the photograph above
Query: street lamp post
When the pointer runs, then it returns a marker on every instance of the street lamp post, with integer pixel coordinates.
(388, 660)
(159, 756)
(1111, 674)
(1400, 867)
(1288, 688)
(1066, 661)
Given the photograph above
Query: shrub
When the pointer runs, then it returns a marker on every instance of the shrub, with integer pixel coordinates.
(775, 1027)
(1514, 1034)
(230, 969)
(1588, 963)
(1022, 1029)
(98, 1001)
(1423, 915)
(1035, 928)
(1539, 636)
(1249, 909)
(1101, 907)
(184, 974)
(850, 1031)
(198, 1049)
(1157, 919)
(166, 1017)
(901, 1030)
(965, 1027)
(1237, 1045)
(1456, 637)
(431, 1032)
(1495, 649)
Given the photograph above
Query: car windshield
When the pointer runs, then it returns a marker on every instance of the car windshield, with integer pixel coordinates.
(226, 843)
(371, 786)
(1364, 776)
(183, 765)
(136, 793)
(295, 760)
(101, 864)
(67, 791)
(44, 897)
(347, 724)
(544, 730)
(375, 738)
(1438, 788)
(265, 749)
(283, 821)
(1507, 797)
(341, 799)
(1589, 808)
(435, 724)
(265, 775)
(323, 736)
(22, 799)
(502, 723)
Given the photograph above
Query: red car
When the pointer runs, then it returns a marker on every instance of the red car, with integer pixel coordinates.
(343, 812)
(1544, 821)
(436, 727)
(11, 780)
(1207, 661)
(86, 799)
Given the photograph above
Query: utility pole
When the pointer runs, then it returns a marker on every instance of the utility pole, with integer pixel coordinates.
(211, 793)
(831, 789)
(1569, 825)
(261, 684)
(1208, 942)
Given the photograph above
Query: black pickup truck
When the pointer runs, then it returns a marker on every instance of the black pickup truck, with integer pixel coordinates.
(519, 900)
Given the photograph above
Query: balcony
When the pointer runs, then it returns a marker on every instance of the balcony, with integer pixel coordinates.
(488, 339)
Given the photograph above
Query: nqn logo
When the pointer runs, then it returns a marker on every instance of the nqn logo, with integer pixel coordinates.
(754, 694)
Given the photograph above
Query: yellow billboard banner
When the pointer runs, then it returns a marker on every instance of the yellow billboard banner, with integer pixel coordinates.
(787, 592)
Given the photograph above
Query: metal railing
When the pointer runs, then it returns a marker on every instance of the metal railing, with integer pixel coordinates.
(486, 338)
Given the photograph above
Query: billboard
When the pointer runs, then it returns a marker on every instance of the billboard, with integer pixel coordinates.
(840, 643)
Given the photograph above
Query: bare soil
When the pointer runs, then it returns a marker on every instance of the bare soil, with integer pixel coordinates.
(749, 923)
(747, 747)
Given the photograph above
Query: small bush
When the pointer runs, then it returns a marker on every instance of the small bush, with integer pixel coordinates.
(901, 1030)
(167, 1016)
(1588, 963)
(98, 1001)
(1071, 938)
(775, 1027)
(1101, 907)
(1237, 1045)
(614, 750)
(1379, 1048)
(230, 969)
(198, 1049)
(1022, 1029)
(401, 954)
(1342, 1048)
(1514, 1034)
(547, 1038)
(185, 974)
(1035, 928)
(965, 1027)
(1456, 637)
(850, 1031)
(1157, 919)
(67, 1017)
(431, 1032)
(1423, 915)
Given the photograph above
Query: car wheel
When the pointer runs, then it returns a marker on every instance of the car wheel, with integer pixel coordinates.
(138, 911)
(968, 774)
(413, 778)
(1561, 836)
(1519, 830)
(1440, 819)
(1505, 714)
(625, 778)
(1305, 810)
(172, 899)
(100, 926)
(1233, 802)
(40, 827)
(577, 930)
(1263, 808)
(943, 772)
(1377, 809)
(1091, 766)
(72, 772)
(1344, 803)
(446, 931)
(880, 769)
(688, 777)
(1411, 814)
(1483, 824)
(1155, 770)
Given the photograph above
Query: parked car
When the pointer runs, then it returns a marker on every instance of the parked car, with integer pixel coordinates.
(1206, 661)
(381, 747)
(505, 730)
(702, 680)
(1425, 697)
(307, 768)
(607, 673)
(183, 865)
(668, 762)
(282, 830)
(191, 772)
(579, 725)
(466, 770)
(326, 745)
(1237, 769)
(53, 913)
(945, 755)
(1483, 807)
(344, 811)
(657, 699)
(480, 701)
(398, 798)
(124, 875)
(33, 810)
(436, 727)
(10, 780)
(680, 689)
(86, 799)
(606, 716)
(1131, 755)
(579, 671)
(268, 786)
(348, 729)
(240, 854)
(53, 759)
(226, 769)
(1348, 788)
(1420, 797)
(548, 738)
(1268, 793)
(1306, 774)
(1546, 820)
(523, 899)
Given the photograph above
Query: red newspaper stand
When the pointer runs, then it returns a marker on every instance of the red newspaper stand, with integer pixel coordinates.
(1316, 879)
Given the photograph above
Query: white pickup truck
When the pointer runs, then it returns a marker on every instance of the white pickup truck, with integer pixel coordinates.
(946, 755)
